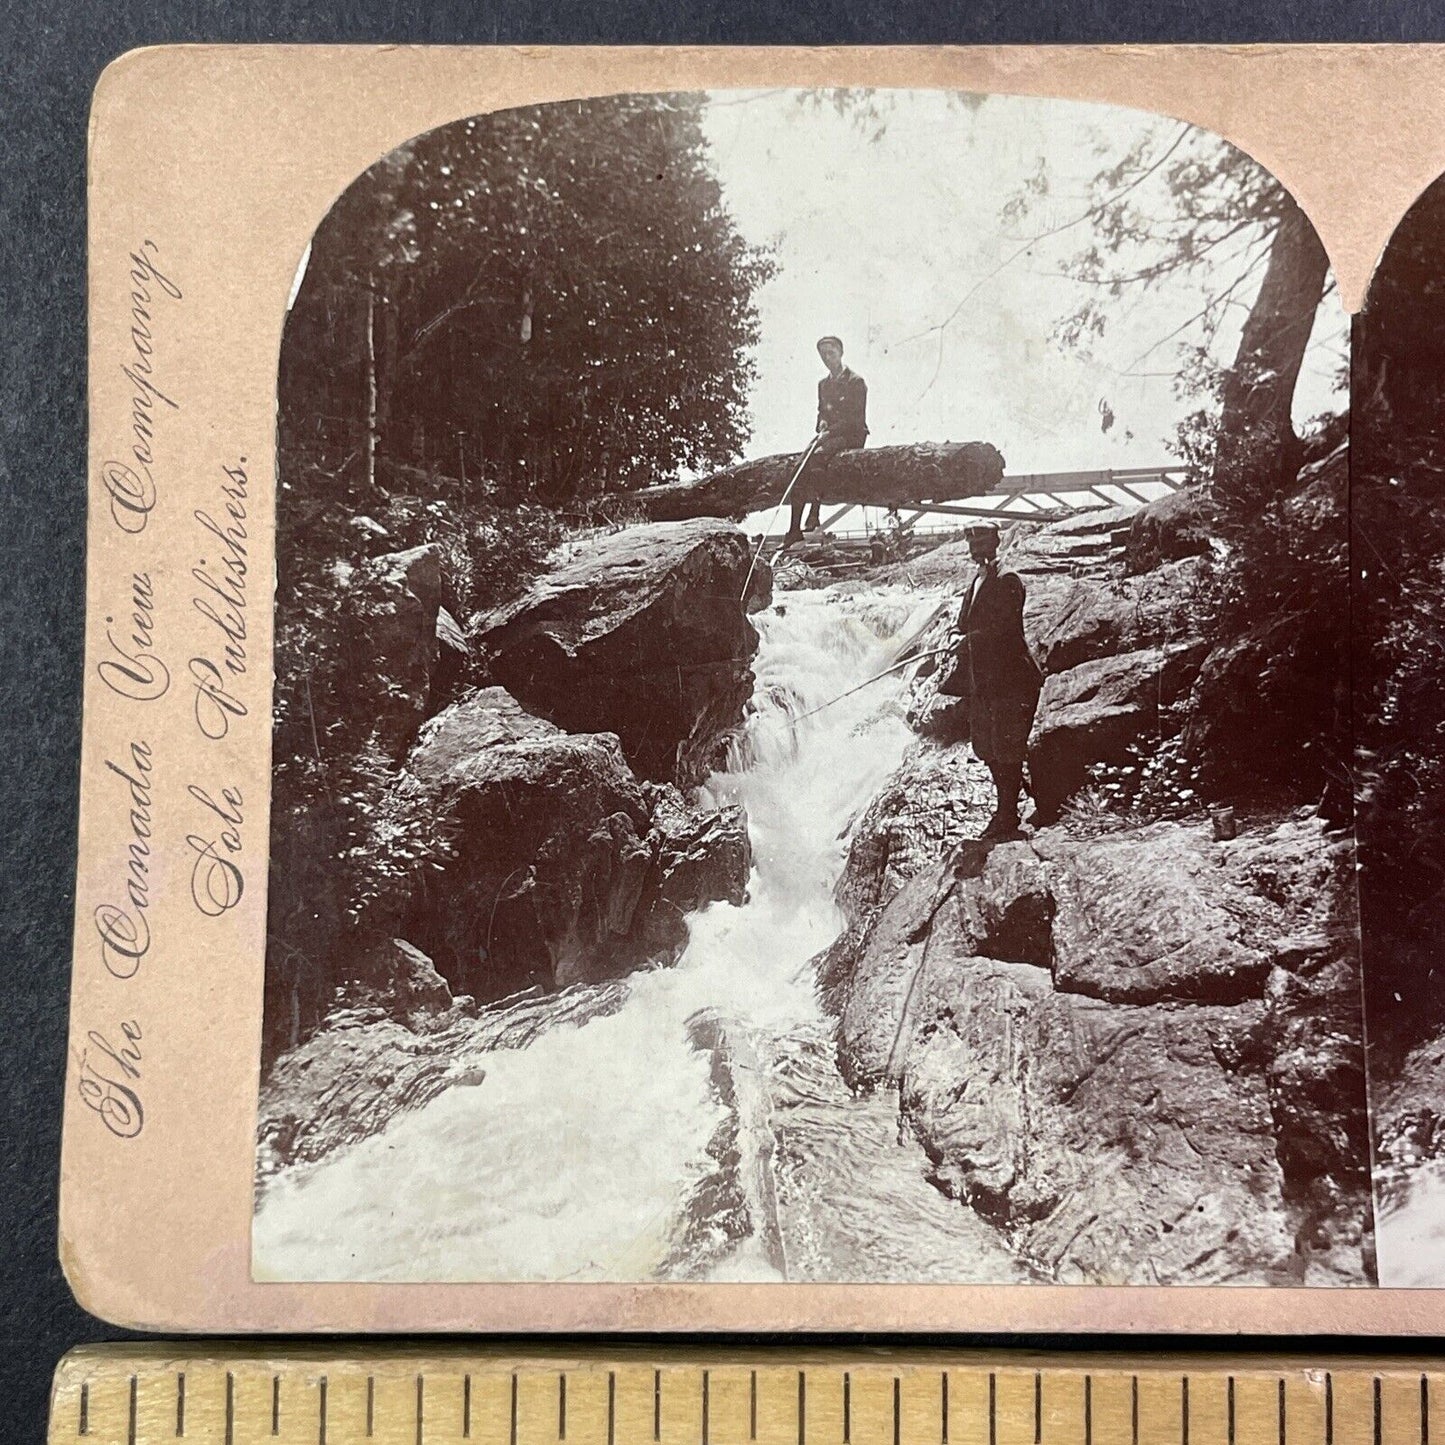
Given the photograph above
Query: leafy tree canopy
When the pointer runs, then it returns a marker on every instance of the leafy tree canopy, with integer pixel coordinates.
(555, 296)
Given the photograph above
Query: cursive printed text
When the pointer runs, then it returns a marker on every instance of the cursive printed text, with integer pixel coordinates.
(217, 882)
(132, 666)
(109, 1079)
(130, 484)
(125, 935)
(222, 576)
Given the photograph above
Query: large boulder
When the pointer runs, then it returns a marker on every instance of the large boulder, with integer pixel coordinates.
(1164, 912)
(1139, 1052)
(1117, 1145)
(559, 871)
(986, 899)
(1156, 913)
(351, 1078)
(401, 979)
(937, 797)
(1095, 712)
(1078, 620)
(875, 476)
(704, 857)
(870, 976)
(642, 634)
(1170, 528)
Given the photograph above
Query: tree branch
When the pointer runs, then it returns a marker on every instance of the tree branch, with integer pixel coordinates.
(1028, 245)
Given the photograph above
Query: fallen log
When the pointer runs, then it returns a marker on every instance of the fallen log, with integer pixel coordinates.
(870, 476)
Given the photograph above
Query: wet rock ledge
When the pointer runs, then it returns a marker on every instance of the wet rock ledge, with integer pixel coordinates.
(1137, 1054)
(1134, 1046)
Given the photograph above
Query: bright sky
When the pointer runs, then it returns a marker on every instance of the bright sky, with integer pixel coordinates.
(879, 240)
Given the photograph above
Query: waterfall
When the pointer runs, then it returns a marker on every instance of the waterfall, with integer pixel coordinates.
(577, 1156)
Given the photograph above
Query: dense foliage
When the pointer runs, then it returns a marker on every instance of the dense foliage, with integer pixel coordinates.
(1271, 706)
(1398, 538)
(552, 299)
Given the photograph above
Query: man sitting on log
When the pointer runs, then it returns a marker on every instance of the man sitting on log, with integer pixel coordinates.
(996, 675)
(842, 426)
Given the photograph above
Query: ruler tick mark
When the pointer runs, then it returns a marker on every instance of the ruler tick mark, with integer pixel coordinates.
(189, 1416)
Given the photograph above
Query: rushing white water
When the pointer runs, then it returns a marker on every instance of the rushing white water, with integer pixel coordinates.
(576, 1156)
(1410, 1228)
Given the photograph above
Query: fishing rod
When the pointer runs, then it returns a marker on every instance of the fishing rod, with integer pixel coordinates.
(782, 502)
(903, 662)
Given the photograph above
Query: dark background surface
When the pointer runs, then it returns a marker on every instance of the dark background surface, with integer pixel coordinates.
(49, 59)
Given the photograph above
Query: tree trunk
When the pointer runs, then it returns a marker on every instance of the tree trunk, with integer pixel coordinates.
(369, 443)
(874, 476)
(1258, 451)
(385, 341)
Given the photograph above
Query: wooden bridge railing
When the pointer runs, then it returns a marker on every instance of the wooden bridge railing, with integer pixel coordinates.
(1040, 496)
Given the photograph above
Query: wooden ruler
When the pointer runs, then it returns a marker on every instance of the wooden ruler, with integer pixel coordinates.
(215, 1394)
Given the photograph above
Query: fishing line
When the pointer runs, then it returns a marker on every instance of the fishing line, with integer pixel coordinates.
(782, 502)
(905, 662)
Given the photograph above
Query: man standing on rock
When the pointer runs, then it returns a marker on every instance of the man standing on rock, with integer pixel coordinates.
(995, 673)
(842, 426)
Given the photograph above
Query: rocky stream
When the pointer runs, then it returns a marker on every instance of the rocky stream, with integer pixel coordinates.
(719, 985)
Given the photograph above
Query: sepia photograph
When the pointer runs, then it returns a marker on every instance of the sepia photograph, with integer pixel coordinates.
(1398, 669)
(812, 725)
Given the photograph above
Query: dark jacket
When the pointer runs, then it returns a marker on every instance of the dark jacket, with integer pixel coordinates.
(993, 659)
(843, 406)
